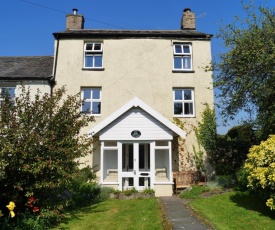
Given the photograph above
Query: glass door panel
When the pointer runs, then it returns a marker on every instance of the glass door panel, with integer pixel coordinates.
(135, 165)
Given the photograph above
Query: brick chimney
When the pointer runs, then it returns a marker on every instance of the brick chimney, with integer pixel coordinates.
(74, 21)
(188, 20)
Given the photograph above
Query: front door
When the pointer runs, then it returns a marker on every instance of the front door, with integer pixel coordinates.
(135, 166)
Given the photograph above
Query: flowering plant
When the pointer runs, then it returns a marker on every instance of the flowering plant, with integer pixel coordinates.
(11, 206)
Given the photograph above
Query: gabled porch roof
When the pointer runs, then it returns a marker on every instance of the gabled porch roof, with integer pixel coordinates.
(134, 103)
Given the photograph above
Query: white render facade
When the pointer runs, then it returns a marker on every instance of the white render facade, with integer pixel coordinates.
(135, 83)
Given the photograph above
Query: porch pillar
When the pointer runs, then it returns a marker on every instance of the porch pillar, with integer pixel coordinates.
(101, 162)
(170, 173)
(152, 163)
(119, 157)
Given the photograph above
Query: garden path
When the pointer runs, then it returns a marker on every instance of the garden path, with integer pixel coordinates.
(180, 215)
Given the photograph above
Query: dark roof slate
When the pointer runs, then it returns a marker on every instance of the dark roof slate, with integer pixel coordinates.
(26, 67)
(84, 33)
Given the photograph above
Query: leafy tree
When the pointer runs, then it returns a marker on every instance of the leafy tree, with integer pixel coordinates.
(225, 153)
(245, 74)
(207, 131)
(40, 141)
(260, 166)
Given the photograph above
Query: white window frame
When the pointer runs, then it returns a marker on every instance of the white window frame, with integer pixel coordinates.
(1, 90)
(183, 102)
(182, 55)
(93, 53)
(91, 100)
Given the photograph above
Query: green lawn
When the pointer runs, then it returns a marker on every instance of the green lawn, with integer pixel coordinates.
(116, 214)
(235, 210)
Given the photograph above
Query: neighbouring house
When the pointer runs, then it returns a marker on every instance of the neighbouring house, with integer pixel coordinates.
(135, 82)
(32, 72)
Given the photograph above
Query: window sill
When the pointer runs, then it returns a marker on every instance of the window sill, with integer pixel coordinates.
(182, 116)
(93, 69)
(90, 114)
(183, 71)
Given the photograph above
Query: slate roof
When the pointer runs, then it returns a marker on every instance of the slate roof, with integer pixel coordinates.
(26, 68)
(84, 33)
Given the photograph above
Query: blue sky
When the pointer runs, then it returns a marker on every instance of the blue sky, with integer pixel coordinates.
(27, 25)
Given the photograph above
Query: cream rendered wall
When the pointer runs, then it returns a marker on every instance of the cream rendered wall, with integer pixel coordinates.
(33, 86)
(137, 68)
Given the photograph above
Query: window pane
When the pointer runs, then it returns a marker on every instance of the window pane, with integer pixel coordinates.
(96, 93)
(89, 46)
(188, 108)
(86, 107)
(88, 61)
(11, 92)
(187, 94)
(97, 46)
(177, 108)
(186, 49)
(186, 62)
(87, 94)
(178, 94)
(96, 108)
(8, 91)
(177, 63)
(98, 61)
(178, 49)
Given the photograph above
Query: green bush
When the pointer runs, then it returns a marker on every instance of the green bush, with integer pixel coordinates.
(194, 192)
(242, 181)
(148, 191)
(225, 181)
(260, 166)
(130, 192)
(40, 140)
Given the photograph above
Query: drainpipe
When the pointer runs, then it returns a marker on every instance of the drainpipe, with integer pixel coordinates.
(52, 81)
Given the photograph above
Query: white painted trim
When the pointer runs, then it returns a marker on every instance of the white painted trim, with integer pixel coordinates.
(119, 162)
(104, 183)
(156, 183)
(170, 162)
(136, 102)
(101, 162)
(162, 147)
(152, 163)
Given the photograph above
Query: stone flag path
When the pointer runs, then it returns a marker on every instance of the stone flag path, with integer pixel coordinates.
(179, 215)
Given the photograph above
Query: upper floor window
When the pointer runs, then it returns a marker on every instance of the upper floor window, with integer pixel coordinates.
(93, 55)
(6, 91)
(183, 102)
(182, 57)
(91, 100)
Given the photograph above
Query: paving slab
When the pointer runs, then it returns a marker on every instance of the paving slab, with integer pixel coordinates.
(180, 215)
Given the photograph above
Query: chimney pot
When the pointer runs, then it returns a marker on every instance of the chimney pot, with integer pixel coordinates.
(187, 10)
(75, 11)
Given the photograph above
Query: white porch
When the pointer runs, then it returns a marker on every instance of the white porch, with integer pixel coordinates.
(136, 149)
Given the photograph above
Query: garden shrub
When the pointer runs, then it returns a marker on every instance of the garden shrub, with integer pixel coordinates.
(40, 142)
(225, 181)
(130, 192)
(85, 194)
(83, 191)
(148, 191)
(105, 193)
(194, 191)
(260, 166)
(226, 153)
(242, 181)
